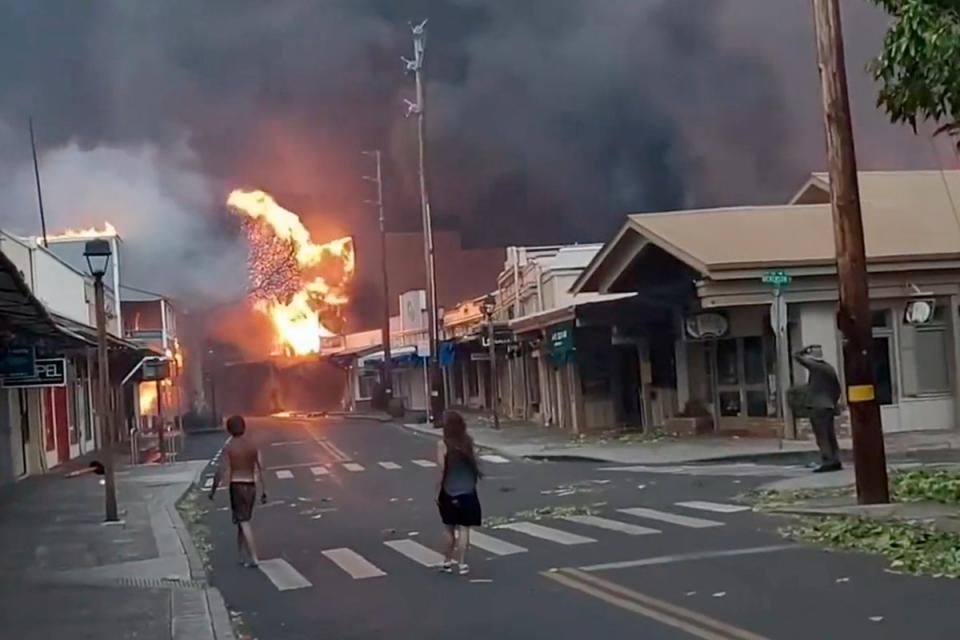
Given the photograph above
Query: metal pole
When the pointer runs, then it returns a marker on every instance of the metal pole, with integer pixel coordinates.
(160, 442)
(103, 404)
(853, 314)
(778, 345)
(36, 175)
(387, 369)
(419, 108)
(494, 386)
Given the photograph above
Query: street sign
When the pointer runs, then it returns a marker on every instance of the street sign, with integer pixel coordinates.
(50, 372)
(777, 278)
(17, 361)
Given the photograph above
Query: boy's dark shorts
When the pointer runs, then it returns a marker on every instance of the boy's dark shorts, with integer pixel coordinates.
(243, 495)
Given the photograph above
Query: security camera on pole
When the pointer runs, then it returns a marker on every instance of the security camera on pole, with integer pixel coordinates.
(418, 109)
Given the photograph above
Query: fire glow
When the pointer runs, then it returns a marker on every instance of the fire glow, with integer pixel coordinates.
(301, 286)
(108, 231)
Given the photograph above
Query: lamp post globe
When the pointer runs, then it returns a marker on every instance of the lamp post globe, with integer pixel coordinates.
(97, 252)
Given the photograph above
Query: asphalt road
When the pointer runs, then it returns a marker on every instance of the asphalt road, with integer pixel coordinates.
(351, 525)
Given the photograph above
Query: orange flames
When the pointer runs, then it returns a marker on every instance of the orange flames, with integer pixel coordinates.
(148, 398)
(298, 284)
(108, 231)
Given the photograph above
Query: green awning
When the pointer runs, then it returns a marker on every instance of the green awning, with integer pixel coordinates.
(560, 343)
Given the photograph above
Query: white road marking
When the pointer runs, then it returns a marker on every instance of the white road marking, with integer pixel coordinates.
(353, 466)
(416, 552)
(672, 518)
(494, 545)
(390, 465)
(490, 457)
(319, 471)
(426, 464)
(295, 465)
(546, 533)
(285, 443)
(208, 483)
(353, 563)
(612, 525)
(284, 474)
(684, 557)
(716, 507)
(282, 574)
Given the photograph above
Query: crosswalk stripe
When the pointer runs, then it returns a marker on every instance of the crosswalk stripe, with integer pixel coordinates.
(672, 518)
(208, 483)
(353, 466)
(416, 552)
(612, 525)
(426, 464)
(490, 457)
(546, 533)
(716, 507)
(282, 574)
(284, 474)
(353, 563)
(319, 471)
(494, 545)
(390, 465)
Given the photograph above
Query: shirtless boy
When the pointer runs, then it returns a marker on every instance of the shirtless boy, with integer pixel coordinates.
(242, 466)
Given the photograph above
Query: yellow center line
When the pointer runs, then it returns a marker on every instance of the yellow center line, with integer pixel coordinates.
(329, 447)
(687, 616)
(629, 605)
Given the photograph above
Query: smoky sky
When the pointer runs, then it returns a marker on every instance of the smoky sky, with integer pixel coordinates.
(547, 119)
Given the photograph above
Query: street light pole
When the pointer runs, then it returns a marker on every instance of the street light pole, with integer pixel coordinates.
(387, 370)
(853, 314)
(418, 108)
(97, 252)
(489, 305)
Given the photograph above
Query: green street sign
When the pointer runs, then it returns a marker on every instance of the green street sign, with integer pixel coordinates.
(777, 278)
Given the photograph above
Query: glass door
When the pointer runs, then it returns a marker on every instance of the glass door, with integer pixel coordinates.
(742, 377)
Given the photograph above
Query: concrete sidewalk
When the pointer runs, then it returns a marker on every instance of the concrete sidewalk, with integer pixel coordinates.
(64, 573)
(528, 440)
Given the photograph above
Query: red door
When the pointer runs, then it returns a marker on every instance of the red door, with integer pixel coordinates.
(61, 423)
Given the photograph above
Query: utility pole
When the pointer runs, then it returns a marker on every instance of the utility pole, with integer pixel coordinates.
(853, 316)
(418, 109)
(387, 370)
(36, 175)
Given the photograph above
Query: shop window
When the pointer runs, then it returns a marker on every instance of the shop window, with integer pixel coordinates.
(727, 370)
(754, 363)
(367, 384)
(933, 368)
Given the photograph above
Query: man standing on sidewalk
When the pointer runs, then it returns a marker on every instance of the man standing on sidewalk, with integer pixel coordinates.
(822, 401)
(242, 465)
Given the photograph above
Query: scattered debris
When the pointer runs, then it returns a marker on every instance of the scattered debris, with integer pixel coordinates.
(481, 581)
(691, 593)
(876, 618)
(317, 516)
(720, 594)
(413, 534)
(393, 499)
(601, 481)
(641, 486)
(839, 580)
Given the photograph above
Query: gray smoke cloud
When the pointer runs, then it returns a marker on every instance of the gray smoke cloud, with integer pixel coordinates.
(548, 119)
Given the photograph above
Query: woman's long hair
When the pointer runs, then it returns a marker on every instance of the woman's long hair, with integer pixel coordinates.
(459, 442)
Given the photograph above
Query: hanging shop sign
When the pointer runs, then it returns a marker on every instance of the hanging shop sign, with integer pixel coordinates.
(920, 312)
(704, 326)
(17, 361)
(48, 372)
(560, 343)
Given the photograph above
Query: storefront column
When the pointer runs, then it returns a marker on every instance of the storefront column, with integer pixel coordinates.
(955, 360)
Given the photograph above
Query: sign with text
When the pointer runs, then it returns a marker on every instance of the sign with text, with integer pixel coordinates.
(777, 278)
(49, 372)
(16, 361)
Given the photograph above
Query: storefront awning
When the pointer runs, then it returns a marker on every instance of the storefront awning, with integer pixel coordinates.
(20, 312)
(397, 356)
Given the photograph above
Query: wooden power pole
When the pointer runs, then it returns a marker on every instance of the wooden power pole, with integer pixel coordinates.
(853, 315)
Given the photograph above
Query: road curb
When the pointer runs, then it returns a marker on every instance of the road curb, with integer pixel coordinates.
(218, 617)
